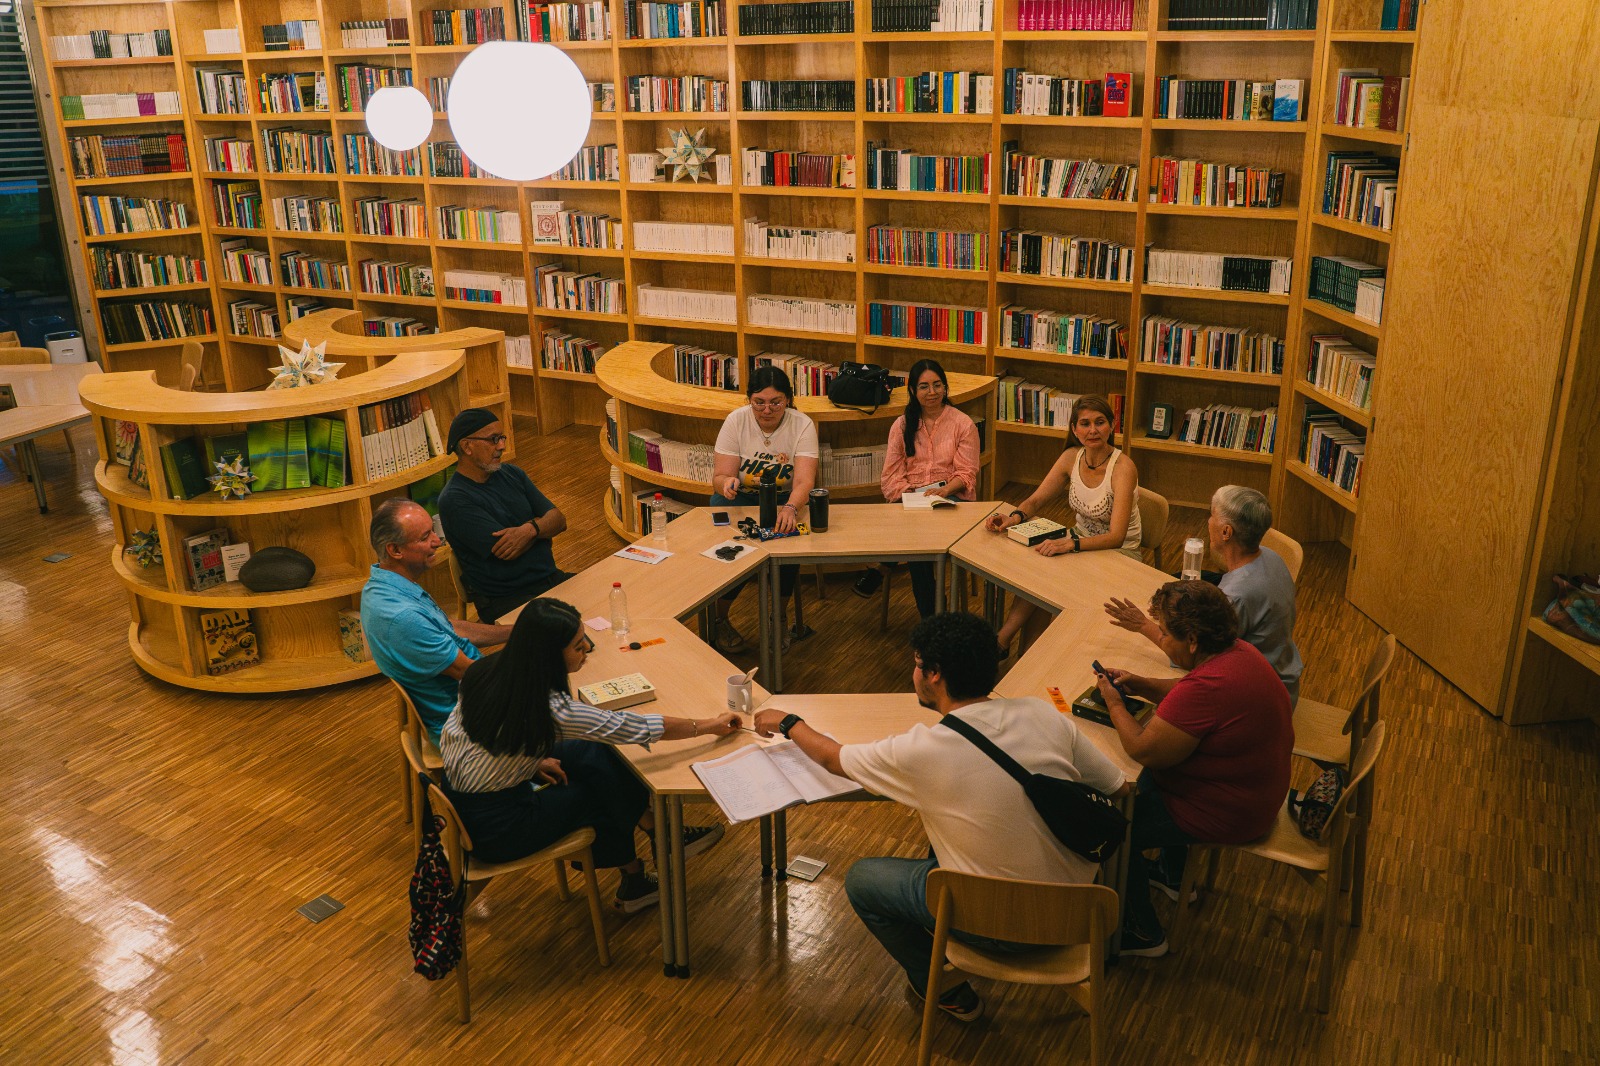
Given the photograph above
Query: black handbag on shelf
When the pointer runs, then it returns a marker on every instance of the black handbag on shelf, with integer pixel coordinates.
(860, 386)
(1082, 818)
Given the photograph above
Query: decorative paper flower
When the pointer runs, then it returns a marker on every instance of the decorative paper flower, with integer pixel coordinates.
(304, 367)
(146, 547)
(688, 155)
(232, 478)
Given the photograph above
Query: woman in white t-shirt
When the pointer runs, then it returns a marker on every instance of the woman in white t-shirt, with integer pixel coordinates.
(768, 439)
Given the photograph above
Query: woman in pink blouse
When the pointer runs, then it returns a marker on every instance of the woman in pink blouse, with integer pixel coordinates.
(933, 448)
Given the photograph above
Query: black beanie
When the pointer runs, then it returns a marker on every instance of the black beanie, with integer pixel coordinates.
(467, 423)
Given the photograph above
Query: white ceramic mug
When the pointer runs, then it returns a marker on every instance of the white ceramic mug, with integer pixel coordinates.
(740, 694)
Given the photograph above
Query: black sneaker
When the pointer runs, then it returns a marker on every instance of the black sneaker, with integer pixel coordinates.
(637, 892)
(1135, 943)
(868, 584)
(961, 1002)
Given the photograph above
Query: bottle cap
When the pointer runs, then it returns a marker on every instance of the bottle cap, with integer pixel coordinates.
(616, 584)
(658, 495)
(1194, 544)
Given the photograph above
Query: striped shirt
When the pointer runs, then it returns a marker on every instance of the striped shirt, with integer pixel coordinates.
(946, 448)
(472, 768)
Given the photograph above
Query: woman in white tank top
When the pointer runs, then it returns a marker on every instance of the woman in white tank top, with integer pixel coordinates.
(1102, 487)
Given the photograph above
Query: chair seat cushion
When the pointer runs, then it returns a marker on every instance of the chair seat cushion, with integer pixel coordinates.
(1319, 732)
(565, 848)
(1047, 966)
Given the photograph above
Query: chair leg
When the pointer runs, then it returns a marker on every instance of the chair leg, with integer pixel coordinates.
(1330, 911)
(408, 784)
(563, 891)
(463, 989)
(1180, 921)
(888, 579)
(591, 888)
(1358, 872)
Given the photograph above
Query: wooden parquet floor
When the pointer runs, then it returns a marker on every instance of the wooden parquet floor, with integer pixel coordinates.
(157, 842)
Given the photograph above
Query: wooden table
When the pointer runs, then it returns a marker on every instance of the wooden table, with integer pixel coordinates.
(47, 400)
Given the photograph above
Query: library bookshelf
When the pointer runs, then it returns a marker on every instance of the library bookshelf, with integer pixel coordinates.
(638, 376)
(1346, 33)
(297, 631)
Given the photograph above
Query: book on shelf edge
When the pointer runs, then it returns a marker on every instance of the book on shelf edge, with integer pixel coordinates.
(202, 558)
(229, 639)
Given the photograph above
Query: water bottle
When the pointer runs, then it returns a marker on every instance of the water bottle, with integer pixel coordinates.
(619, 609)
(767, 497)
(1194, 556)
(658, 521)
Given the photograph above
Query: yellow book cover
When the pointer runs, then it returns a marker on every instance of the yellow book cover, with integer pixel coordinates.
(230, 640)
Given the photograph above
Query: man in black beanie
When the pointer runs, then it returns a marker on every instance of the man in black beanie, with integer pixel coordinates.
(498, 524)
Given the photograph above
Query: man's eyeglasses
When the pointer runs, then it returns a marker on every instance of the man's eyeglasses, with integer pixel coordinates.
(494, 440)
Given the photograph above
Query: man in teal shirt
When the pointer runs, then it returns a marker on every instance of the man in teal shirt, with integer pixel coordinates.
(411, 638)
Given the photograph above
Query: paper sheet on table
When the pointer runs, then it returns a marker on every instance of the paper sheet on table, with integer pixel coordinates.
(757, 780)
(640, 554)
(917, 501)
(711, 552)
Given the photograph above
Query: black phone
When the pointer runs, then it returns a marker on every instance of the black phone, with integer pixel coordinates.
(719, 518)
(1100, 670)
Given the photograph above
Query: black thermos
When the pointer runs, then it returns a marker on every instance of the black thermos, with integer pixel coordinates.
(819, 510)
(767, 493)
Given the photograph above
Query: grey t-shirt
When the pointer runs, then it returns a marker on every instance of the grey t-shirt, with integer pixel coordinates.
(1263, 593)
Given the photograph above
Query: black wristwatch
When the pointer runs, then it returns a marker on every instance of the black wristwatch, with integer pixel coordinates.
(1077, 545)
(788, 723)
(1020, 516)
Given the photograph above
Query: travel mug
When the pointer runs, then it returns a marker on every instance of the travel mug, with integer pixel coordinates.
(819, 511)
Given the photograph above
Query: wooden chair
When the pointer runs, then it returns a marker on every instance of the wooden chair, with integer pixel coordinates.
(1076, 918)
(1326, 858)
(1152, 522)
(187, 375)
(464, 605)
(9, 339)
(16, 355)
(574, 847)
(430, 761)
(1294, 556)
(1332, 736)
(192, 373)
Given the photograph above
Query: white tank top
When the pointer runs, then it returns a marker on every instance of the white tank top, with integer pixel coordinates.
(1093, 506)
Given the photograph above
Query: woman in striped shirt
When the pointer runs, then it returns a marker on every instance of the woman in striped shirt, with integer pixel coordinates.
(527, 764)
(933, 449)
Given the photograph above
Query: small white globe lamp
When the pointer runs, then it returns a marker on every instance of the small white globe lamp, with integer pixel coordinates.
(399, 117)
(519, 110)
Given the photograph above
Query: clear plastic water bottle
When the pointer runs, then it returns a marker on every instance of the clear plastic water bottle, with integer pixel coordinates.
(619, 609)
(1194, 556)
(658, 521)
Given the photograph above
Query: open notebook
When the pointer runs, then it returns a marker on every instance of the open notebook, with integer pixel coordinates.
(760, 779)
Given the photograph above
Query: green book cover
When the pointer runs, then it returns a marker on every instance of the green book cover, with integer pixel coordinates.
(426, 492)
(266, 442)
(318, 431)
(337, 454)
(224, 447)
(297, 461)
(185, 467)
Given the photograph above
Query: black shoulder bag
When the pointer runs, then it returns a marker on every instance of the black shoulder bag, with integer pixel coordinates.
(860, 386)
(1082, 818)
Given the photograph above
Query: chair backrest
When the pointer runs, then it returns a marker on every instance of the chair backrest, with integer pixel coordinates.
(1029, 912)
(457, 844)
(1364, 711)
(1294, 556)
(17, 356)
(186, 377)
(409, 720)
(1152, 520)
(9, 339)
(194, 355)
(1366, 759)
(463, 596)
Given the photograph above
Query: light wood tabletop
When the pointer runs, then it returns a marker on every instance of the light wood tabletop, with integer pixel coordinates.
(883, 531)
(46, 384)
(26, 423)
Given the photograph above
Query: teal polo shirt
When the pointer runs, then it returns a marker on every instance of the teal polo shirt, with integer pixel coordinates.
(413, 642)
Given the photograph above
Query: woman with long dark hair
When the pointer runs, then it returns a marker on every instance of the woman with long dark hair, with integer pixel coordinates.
(933, 449)
(527, 764)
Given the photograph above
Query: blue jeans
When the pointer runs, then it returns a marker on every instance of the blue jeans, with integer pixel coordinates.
(1152, 827)
(890, 898)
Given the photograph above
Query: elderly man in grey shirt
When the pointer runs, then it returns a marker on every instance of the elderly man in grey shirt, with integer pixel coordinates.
(1256, 581)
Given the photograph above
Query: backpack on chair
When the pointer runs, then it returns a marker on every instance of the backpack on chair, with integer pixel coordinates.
(1312, 808)
(436, 902)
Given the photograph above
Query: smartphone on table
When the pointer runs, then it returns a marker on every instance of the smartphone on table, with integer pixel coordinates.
(719, 518)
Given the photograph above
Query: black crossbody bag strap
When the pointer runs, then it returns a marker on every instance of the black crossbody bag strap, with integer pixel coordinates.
(989, 748)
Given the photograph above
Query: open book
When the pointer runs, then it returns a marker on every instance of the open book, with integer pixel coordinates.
(760, 779)
(919, 501)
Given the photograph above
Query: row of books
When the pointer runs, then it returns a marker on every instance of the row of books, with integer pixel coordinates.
(808, 17)
(133, 269)
(291, 92)
(301, 306)
(1075, 15)
(688, 92)
(1027, 403)
(643, 502)
(363, 155)
(1198, 183)
(554, 224)
(518, 350)
(1216, 270)
(293, 35)
(120, 105)
(1338, 366)
(285, 453)
(1218, 425)
(1348, 284)
(1242, 15)
(379, 216)
(1369, 100)
(1023, 174)
(1062, 333)
(945, 249)
(947, 323)
(762, 239)
(1332, 449)
(798, 95)
(98, 156)
(287, 150)
(860, 464)
(1398, 15)
(250, 318)
(649, 167)
(1361, 188)
(446, 160)
(932, 16)
(783, 168)
(693, 365)
(806, 313)
(302, 270)
(1029, 93)
(564, 351)
(594, 162)
(238, 204)
(1170, 342)
(398, 434)
(359, 81)
(602, 94)
(230, 155)
(391, 277)
(692, 238)
(1061, 255)
(936, 92)
(222, 91)
(559, 289)
(587, 21)
(486, 287)
(242, 263)
(692, 462)
(108, 44)
(488, 224)
(1236, 100)
(396, 326)
(375, 33)
(151, 320)
(908, 171)
(810, 377)
(696, 305)
(643, 20)
(308, 214)
(103, 215)
(470, 25)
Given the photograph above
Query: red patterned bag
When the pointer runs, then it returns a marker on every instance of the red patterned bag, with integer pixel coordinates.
(436, 903)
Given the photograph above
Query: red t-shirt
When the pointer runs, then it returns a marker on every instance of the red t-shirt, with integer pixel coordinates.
(1229, 789)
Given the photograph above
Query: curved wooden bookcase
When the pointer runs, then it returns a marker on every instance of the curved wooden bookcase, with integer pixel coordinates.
(638, 375)
(298, 630)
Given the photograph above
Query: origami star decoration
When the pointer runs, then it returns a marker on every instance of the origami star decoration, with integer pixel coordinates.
(146, 547)
(304, 367)
(232, 478)
(688, 155)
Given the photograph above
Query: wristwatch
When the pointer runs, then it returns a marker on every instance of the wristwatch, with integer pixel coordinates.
(1020, 516)
(1077, 545)
(788, 723)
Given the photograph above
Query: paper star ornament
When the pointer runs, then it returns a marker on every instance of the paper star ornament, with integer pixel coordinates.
(304, 367)
(232, 478)
(688, 155)
(146, 547)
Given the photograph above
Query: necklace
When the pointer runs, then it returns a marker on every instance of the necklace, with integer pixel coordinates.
(766, 437)
(1095, 466)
